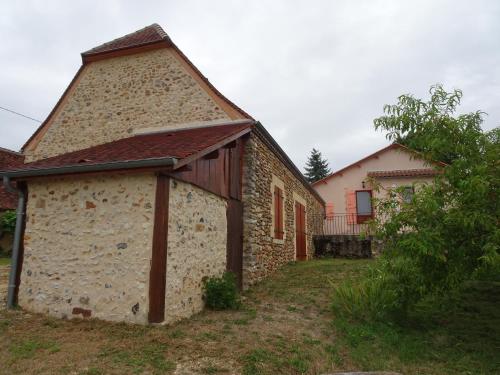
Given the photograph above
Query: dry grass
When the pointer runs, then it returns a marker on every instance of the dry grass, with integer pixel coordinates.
(284, 327)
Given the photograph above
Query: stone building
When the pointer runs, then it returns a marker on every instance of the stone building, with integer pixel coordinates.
(144, 180)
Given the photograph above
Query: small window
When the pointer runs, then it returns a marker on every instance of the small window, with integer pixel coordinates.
(364, 209)
(408, 193)
(278, 213)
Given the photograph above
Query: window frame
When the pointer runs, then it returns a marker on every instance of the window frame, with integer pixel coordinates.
(278, 207)
(403, 193)
(360, 219)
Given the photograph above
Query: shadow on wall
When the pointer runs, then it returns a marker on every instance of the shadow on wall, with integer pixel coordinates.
(6, 239)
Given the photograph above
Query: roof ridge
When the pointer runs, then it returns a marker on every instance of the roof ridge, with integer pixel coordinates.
(108, 46)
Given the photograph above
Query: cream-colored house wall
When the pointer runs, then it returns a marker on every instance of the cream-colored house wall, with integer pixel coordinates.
(197, 242)
(88, 246)
(334, 189)
(113, 98)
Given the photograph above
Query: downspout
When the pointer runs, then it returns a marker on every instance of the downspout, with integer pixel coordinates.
(17, 240)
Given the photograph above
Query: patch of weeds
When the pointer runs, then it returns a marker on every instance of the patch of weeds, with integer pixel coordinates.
(300, 359)
(28, 348)
(256, 360)
(308, 340)
(300, 365)
(4, 324)
(249, 314)
(152, 355)
(177, 334)
(333, 353)
(221, 292)
(291, 309)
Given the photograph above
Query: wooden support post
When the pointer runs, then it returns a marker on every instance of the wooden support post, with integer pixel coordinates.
(158, 273)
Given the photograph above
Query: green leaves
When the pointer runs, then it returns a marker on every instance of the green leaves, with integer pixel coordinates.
(221, 293)
(8, 221)
(449, 231)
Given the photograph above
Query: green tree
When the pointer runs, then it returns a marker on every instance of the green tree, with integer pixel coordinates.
(316, 167)
(8, 221)
(449, 232)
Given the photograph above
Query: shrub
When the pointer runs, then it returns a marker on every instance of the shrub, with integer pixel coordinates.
(383, 294)
(221, 292)
(448, 233)
(8, 221)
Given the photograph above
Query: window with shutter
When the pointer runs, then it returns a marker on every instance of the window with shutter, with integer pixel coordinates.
(364, 209)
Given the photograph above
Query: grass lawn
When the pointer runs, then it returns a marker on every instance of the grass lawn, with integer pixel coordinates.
(4, 261)
(285, 327)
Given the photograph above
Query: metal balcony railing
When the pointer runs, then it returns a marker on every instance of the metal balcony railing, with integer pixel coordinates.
(344, 224)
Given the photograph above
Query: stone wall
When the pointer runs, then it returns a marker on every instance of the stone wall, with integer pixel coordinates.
(262, 254)
(345, 246)
(88, 247)
(115, 97)
(197, 237)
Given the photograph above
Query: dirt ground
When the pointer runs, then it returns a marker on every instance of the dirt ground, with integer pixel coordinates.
(283, 327)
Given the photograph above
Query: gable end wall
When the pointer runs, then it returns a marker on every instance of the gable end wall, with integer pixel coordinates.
(113, 98)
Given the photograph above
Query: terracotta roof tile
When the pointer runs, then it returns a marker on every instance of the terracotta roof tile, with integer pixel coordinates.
(149, 34)
(177, 144)
(9, 160)
(405, 173)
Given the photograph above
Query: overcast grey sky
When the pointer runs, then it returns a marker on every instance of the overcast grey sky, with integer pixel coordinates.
(315, 73)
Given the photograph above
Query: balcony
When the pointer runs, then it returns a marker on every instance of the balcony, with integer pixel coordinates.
(345, 224)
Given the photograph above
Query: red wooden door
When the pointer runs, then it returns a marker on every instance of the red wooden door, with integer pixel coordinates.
(300, 231)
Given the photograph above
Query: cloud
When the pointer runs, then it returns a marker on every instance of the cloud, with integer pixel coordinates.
(315, 74)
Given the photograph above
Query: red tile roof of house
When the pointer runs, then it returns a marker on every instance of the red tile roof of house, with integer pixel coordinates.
(405, 173)
(374, 155)
(8, 160)
(177, 144)
(148, 35)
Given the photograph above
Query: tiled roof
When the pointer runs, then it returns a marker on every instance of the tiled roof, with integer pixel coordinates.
(405, 173)
(375, 155)
(149, 34)
(8, 160)
(176, 144)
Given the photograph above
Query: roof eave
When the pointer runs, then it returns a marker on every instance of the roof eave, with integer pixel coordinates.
(286, 160)
(89, 168)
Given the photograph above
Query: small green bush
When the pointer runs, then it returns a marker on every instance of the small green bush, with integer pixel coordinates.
(8, 221)
(221, 293)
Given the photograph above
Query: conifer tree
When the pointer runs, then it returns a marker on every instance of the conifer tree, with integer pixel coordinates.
(316, 167)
